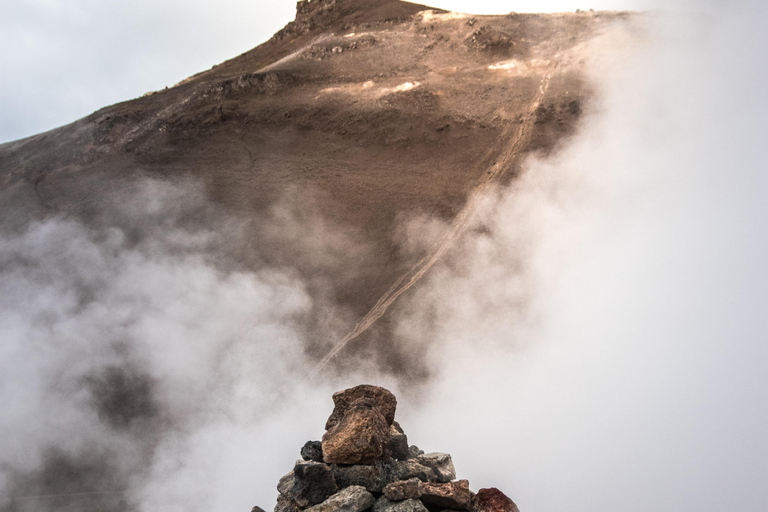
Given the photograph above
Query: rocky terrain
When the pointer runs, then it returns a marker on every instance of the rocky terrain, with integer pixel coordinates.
(364, 463)
(359, 115)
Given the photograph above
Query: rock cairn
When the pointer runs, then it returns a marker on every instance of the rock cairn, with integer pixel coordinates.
(364, 464)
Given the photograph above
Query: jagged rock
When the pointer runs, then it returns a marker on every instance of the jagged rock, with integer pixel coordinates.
(492, 500)
(403, 490)
(285, 485)
(313, 483)
(453, 495)
(440, 463)
(354, 498)
(414, 451)
(358, 438)
(373, 396)
(407, 469)
(398, 443)
(312, 450)
(385, 505)
(284, 504)
(373, 478)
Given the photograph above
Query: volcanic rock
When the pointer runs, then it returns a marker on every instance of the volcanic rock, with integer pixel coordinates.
(313, 484)
(372, 478)
(397, 446)
(360, 437)
(385, 505)
(492, 500)
(351, 499)
(403, 490)
(285, 485)
(407, 469)
(414, 451)
(285, 504)
(371, 396)
(312, 450)
(452, 495)
(440, 463)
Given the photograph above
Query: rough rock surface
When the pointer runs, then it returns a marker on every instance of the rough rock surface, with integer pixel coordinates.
(360, 437)
(423, 483)
(492, 500)
(312, 450)
(351, 499)
(440, 463)
(373, 478)
(397, 446)
(452, 495)
(385, 505)
(374, 397)
(313, 483)
(407, 469)
(403, 490)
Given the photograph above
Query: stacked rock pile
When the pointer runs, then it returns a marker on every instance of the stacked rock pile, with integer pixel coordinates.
(364, 463)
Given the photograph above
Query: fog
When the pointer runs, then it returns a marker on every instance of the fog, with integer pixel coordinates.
(596, 341)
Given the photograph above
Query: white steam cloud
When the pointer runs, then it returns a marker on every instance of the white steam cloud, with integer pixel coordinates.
(597, 341)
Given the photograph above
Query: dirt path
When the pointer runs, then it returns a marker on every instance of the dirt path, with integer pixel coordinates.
(518, 135)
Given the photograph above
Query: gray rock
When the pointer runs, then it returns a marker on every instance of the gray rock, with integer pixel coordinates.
(285, 485)
(313, 483)
(440, 463)
(398, 443)
(407, 469)
(414, 451)
(354, 498)
(284, 504)
(385, 505)
(312, 450)
(373, 478)
(403, 490)
(452, 495)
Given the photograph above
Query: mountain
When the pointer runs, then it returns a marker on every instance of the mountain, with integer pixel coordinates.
(361, 113)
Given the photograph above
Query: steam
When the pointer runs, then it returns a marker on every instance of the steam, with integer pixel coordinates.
(596, 340)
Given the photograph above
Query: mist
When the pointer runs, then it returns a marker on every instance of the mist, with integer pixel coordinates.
(599, 339)
(596, 341)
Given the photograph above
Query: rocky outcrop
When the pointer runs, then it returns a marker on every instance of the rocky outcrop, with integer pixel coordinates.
(361, 429)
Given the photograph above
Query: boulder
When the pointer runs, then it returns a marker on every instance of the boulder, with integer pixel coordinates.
(398, 443)
(492, 500)
(354, 498)
(284, 504)
(373, 396)
(312, 450)
(453, 495)
(313, 483)
(407, 469)
(403, 490)
(285, 485)
(440, 463)
(414, 451)
(359, 437)
(373, 478)
(385, 505)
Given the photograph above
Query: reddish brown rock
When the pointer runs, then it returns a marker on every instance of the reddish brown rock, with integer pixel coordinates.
(452, 495)
(403, 490)
(365, 394)
(358, 438)
(492, 500)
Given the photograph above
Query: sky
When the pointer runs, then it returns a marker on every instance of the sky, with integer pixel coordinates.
(634, 379)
